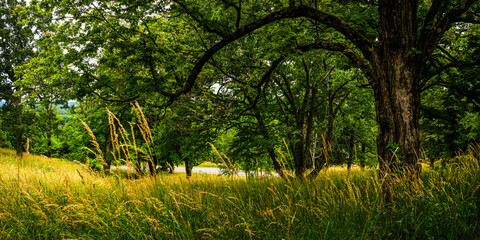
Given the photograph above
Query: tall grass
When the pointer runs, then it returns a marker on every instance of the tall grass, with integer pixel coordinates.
(43, 198)
(125, 148)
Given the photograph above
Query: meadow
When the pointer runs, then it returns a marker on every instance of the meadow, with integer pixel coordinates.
(42, 198)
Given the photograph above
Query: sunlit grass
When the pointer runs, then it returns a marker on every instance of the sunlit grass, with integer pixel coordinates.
(204, 165)
(43, 198)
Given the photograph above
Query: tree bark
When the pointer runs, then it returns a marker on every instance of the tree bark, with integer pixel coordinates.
(188, 168)
(351, 150)
(270, 150)
(151, 167)
(50, 129)
(397, 107)
(49, 143)
(19, 127)
(299, 155)
(106, 157)
(362, 157)
(332, 112)
(276, 165)
(392, 63)
(397, 89)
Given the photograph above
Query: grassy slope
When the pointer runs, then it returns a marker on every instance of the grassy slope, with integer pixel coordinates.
(55, 199)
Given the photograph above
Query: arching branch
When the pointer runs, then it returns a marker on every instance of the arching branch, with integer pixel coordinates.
(361, 42)
(346, 51)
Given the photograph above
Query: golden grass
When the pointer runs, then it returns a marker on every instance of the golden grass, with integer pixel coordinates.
(56, 199)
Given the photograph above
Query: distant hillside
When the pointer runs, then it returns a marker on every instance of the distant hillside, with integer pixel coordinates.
(60, 110)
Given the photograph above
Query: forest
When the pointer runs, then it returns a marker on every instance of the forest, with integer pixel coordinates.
(328, 119)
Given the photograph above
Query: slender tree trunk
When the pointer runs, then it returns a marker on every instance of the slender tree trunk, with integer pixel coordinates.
(19, 126)
(50, 129)
(152, 164)
(49, 144)
(331, 115)
(106, 157)
(299, 156)
(351, 150)
(270, 150)
(151, 168)
(362, 158)
(276, 165)
(188, 168)
(171, 168)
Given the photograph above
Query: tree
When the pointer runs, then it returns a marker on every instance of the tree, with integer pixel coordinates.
(303, 101)
(42, 90)
(16, 46)
(392, 41)
(183, 135)
(394, 59)
(451, 99)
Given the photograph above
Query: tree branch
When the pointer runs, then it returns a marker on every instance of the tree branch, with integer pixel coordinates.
(430, 36)
(346, 51)
(365, 46)
(439, 70)
(198, 20)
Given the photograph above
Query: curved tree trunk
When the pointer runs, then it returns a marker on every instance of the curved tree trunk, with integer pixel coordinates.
(270, 150)
(276, 165)
(392, 62)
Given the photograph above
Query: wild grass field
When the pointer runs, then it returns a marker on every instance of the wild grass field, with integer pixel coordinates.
(42, 198)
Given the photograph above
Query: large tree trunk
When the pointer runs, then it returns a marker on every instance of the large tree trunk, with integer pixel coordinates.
(397, 105)
(397, 89)
(397, 101)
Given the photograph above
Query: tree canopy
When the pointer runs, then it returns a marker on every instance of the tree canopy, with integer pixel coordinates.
(306, 77)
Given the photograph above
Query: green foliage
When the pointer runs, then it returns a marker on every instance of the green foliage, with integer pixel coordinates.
(247, 149)
(4, 143)
(451, 98)
(395, 150)
(183, 135)
(112, 52)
